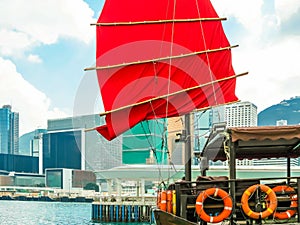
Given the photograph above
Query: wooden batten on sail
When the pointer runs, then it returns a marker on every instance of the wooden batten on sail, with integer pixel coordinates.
(157, 21)
(161, 59)
(169, 95)
(173, 24)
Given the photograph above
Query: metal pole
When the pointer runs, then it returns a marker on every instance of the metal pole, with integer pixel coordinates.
(188, 151)
(288, 164)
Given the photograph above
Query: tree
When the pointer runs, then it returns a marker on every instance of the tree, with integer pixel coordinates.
(91, 186)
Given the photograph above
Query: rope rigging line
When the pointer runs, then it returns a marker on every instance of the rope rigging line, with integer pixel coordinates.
(153, 148)
(206, 54)
(170, 60)
(169, 82)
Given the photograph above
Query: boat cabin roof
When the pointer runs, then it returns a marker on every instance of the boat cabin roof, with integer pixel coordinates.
(253, 143)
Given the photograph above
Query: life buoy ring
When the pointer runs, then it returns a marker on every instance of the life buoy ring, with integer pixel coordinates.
(163, 201)
(271, 206)
(214, 192)
(169, 201)
(290, 212)
(158, 199)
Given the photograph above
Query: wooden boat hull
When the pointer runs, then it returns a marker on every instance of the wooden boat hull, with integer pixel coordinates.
(165, 218)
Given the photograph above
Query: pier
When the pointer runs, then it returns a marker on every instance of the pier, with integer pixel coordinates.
(128, 210)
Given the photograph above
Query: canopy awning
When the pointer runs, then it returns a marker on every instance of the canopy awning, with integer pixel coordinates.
(254, 143)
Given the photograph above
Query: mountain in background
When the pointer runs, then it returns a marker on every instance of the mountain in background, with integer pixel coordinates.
(287, 110)
(25, 141)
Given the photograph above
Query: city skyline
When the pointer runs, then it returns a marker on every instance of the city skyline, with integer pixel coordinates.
(42, 56)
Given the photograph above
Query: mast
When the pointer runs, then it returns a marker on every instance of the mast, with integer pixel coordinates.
(188, 151)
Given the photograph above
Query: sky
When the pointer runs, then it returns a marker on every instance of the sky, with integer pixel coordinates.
(44, 50)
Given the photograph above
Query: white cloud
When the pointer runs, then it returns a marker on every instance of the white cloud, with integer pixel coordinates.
(286, 8)
(247, 13)
(32, 104)
(270, 57)
(34, 58)
(13, 42)
(273, 71)
(26, 23)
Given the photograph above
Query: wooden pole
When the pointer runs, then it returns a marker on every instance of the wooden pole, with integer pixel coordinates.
(188, 148)
(160, 59)
(174, 93)
(156, 21)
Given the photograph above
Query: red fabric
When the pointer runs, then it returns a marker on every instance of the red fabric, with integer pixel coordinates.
(135, 83)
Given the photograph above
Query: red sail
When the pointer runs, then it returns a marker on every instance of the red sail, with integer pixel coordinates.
(159, 59)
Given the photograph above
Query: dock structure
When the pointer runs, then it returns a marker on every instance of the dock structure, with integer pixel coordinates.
(126, 197)
(128, 210)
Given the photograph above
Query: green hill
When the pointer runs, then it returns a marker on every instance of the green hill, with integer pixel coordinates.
(288, 110)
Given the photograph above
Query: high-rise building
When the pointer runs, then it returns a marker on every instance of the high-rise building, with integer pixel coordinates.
(145, 143)
(63, 149)
(9, 131)
(175, 148)
(203, 124)
(31, 143)
(241, 114)
(96, 153)
(19, 163)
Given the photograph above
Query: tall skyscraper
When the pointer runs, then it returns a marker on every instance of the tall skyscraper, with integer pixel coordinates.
(241, 114)
(96, 153)
(9, 131)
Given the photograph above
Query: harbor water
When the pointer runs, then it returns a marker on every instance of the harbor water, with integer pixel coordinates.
(48, 213)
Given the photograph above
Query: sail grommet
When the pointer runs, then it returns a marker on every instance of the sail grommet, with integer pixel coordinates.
(271, 206)
(214, 192)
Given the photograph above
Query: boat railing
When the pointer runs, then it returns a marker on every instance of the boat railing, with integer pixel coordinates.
(186, 194)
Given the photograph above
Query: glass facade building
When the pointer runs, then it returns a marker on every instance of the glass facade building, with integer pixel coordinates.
(145, 143)
(99, 154)
(9, 131)
(19, 163)
(68, 178)
(62, 150)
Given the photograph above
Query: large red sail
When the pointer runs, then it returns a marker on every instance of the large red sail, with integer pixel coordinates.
(160, 58)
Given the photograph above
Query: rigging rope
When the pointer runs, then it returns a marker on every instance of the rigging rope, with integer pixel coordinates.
(207, 58)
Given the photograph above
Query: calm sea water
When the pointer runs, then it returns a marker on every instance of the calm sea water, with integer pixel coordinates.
(48, 213)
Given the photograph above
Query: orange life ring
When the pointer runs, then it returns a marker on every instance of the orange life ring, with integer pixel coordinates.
(169, 201)
(290, 212)
(158, 199)
(214, 192)
(163, 201)
(271, 206)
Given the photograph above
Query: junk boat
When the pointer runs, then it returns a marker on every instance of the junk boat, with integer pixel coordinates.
(220, 199)
(167, 58)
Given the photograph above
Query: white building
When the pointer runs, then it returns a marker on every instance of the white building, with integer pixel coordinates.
(241, 114)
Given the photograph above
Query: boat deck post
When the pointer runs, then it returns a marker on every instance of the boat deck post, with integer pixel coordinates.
(232, 177)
